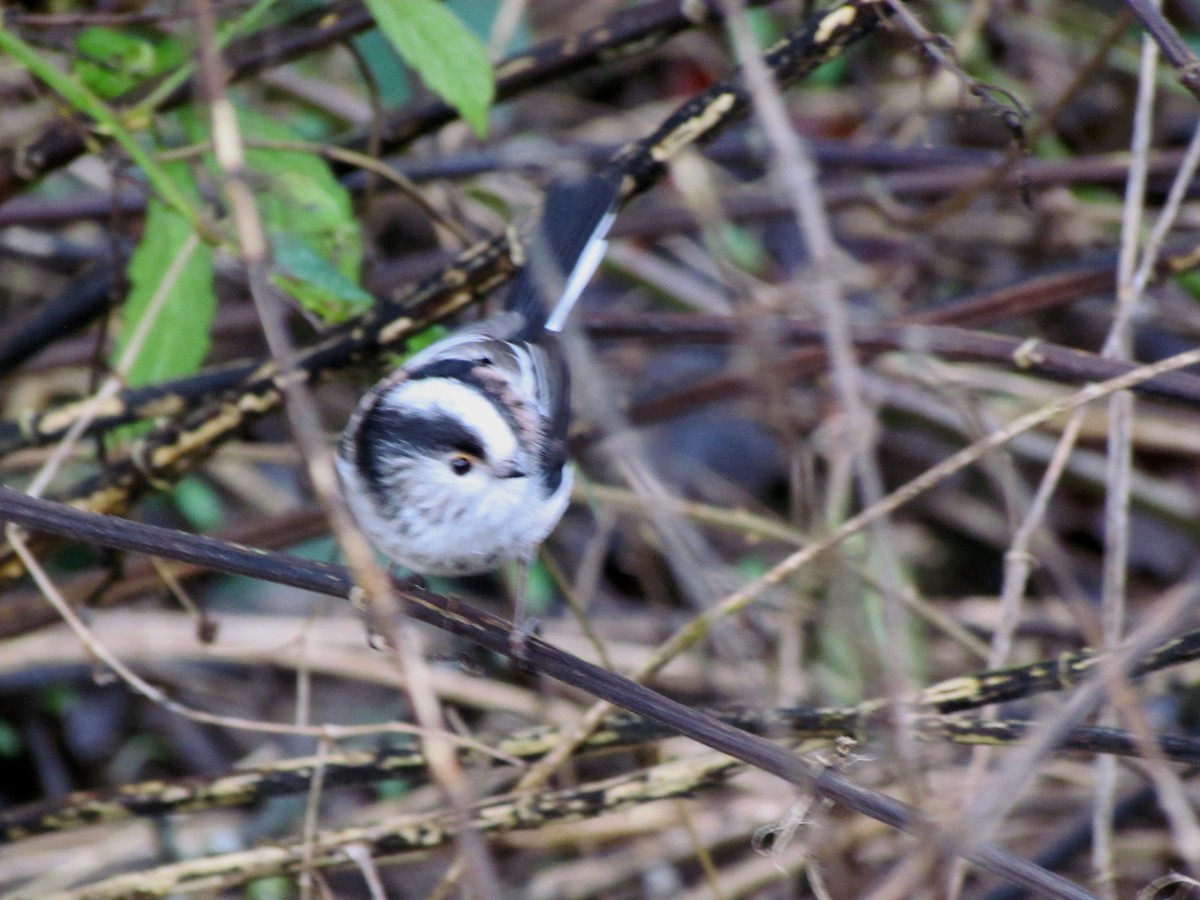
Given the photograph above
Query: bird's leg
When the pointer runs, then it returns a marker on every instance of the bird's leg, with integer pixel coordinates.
(522, 625)
(376, 637)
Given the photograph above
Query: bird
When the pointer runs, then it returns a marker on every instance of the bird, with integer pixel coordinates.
(455, 463)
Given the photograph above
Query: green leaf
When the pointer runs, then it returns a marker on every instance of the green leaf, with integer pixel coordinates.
(392, 78)
(10, 741)
(298, 193)
(199, 503)
(426, 337)
(72, 90)
(59, 699)
(320, 287)
(1190, 282)
(446, 54)
(112, 62)
(743, 249)
(272, 887)
(179, 336)
(392, 789)
(310, 217)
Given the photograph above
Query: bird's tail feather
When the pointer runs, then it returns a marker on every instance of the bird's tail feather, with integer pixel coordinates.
(565, 250)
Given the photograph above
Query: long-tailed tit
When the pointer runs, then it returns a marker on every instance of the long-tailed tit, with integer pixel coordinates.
(456, 462)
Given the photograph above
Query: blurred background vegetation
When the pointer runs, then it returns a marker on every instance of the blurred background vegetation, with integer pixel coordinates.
(973, 161)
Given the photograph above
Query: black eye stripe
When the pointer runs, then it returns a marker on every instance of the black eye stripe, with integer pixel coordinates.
(387, 433)
(416, 433)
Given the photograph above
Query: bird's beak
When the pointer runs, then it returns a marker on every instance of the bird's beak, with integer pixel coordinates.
(514, 472)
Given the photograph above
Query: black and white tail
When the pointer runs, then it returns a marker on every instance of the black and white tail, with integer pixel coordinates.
(565, 250)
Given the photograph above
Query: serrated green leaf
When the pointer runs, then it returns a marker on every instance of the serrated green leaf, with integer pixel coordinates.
(179, 336)
(310, 217)
(298, 193)
(320, 287)
(446, 54)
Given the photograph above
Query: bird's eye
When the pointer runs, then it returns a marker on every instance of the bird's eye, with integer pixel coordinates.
(460, 464)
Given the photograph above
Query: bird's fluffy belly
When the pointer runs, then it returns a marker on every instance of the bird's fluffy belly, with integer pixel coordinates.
(475, 535)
